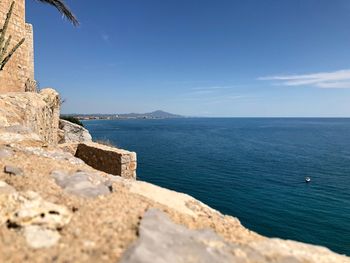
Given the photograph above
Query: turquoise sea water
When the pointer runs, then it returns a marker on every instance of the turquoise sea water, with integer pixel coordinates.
(253, 169)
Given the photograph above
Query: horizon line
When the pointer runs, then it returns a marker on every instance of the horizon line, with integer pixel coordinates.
(238, 117)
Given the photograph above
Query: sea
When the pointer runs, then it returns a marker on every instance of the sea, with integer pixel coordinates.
(251, 168)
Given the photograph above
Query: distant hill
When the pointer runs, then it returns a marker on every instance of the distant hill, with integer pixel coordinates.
(163, 115)
(159, 114)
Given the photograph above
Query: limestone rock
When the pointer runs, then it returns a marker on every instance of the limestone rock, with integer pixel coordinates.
(162, 241)
(14, 134)
(56, 154)
(5, 189)
(31, 86)
(182, 203)
(69, 147)
(108, 159)
(73, 133)
(3, 121)
(38, 237)
(28, 208)
(37, 112)
(18, 129)
(38, 218)
(13, 170)
(83, 184)
(278, 250)
(4, 153)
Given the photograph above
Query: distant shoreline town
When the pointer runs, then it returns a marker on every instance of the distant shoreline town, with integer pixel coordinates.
(151, 115)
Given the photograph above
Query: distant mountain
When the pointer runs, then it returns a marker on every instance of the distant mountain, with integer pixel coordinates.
(159, 114)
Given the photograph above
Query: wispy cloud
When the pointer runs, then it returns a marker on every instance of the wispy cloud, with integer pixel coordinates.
(215, 99)
(211, 95)
(105, 37)
(214, 88)
(326, 80)
(209, 90)
(226, 98)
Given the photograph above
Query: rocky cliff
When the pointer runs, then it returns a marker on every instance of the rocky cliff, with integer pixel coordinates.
(57, 208)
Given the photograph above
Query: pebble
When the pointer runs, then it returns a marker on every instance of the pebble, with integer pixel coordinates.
(38, 237)
(5, 153)
(6, 189)
(13, 170)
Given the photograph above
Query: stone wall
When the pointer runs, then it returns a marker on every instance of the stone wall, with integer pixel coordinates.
(108, 159)
(30, 50)
(20, 68)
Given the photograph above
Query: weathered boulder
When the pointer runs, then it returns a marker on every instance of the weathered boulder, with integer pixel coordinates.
(40, 220)
(38, 113)
(180, 202)
(163, 241)
(13, 170)
(22, 209)
(108, 159)
(83, 184)
(73, 133)
(38, 237)
(19, 134)
(4, 152)
(5, 189)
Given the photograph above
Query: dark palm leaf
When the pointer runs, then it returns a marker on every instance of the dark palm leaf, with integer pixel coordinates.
(63, 9)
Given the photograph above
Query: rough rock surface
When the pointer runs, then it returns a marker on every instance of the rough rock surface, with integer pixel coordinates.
(13, 170)
(55, 154)
(6, 189)
(73, 133)
(46, 217)
(163, 241)
(36, 112)
(5, 153)
(38, 219)
(83, 184)
(38, 237)
(20, 134)
(28, 208)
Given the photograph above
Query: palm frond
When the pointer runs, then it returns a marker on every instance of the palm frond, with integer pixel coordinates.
(63, 9)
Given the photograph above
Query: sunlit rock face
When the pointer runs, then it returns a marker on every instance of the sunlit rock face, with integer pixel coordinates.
(31, 115)
(73, 133)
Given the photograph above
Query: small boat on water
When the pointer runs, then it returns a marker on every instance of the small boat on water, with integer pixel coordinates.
(307, 179)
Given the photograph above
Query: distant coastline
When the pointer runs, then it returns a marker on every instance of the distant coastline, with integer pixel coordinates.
(86, 117)
(126, 116)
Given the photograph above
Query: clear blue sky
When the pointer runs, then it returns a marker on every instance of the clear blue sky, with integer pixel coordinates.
(197, 57)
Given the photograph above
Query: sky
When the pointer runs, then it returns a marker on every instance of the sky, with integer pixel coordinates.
(215, 58)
